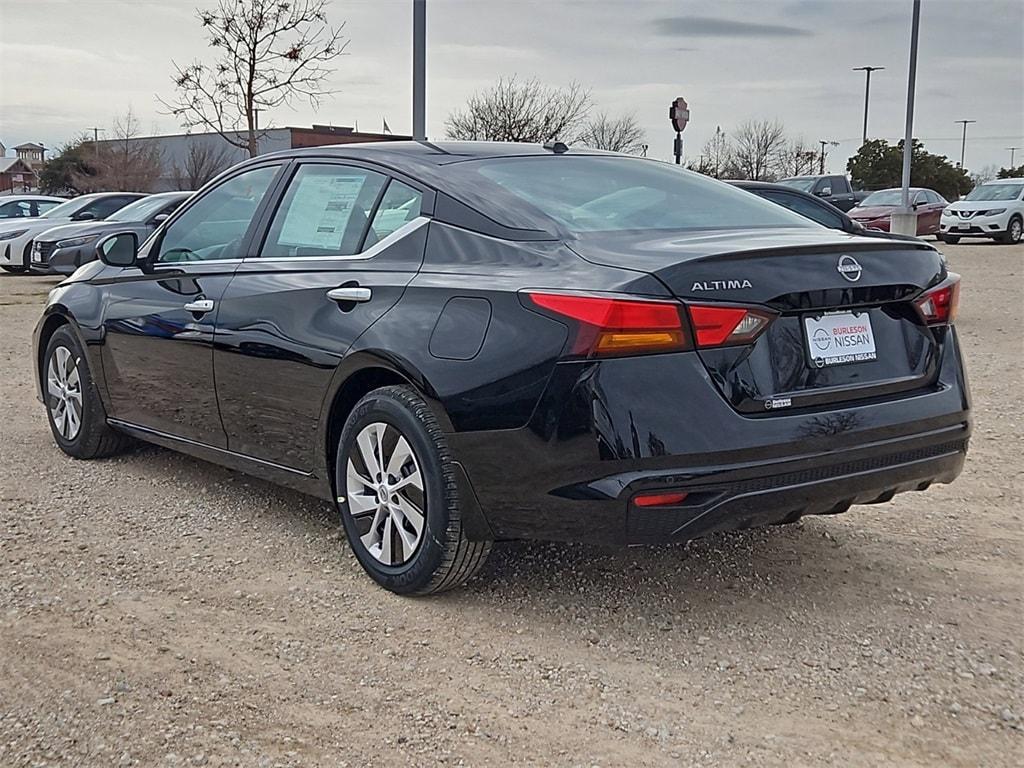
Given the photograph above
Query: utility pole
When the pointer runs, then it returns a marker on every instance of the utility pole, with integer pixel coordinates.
(96, 140)
(823, 142)
(867, 94)
(1012, 151)
(963, 140)
(419, 70)
(256, 118)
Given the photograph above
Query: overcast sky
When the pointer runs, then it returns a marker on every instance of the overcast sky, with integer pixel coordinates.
(68, 65)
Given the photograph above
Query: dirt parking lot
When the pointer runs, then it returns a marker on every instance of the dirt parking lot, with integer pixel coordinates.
(159, 611)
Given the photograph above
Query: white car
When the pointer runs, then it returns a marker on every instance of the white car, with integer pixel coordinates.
(26, 206)
(16, 234)
(993, 209)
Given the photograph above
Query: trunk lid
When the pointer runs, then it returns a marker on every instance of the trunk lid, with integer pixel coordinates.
(810, 278)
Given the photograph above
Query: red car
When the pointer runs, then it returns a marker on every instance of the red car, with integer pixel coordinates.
(875, 210)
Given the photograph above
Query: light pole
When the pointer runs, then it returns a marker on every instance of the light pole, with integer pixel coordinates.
(963, 140)
(904, 221)
(419, 70)
(1013, 150)
(867, 95)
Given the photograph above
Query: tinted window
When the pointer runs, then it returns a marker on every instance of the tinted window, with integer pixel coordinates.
(324, 212)
(802, 183)
(143, 209)
(822, 185)
(839, 185)
(16, 210)
(809, 208)
(215, 226)
(600, 194)
(399, 206)
(107, 205)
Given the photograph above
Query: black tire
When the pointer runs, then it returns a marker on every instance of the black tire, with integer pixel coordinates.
(93, 438)
(951, 239)
(1013, 233)
(443, 558)
(12, 269)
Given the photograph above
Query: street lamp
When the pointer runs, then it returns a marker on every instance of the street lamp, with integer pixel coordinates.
(1013, 150)
(867, 94)
(963, 140)
(823, 143)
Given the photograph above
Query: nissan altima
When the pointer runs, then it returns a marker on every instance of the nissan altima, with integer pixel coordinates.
(459, 343)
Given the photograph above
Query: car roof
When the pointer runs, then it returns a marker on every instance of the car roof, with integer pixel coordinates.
(1002, 181)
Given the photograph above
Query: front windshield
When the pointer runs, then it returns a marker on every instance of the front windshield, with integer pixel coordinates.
(995, 192)
(885, 197)
(602, 194)
(803, 184)
(140, 210)
(66, 210)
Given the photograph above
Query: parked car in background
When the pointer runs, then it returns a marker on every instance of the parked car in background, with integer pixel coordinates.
(876, 209)
(833, 189)
(813, 207)
(16, 234)
(64, 249)
(462, 342)
(994, 209)
(27, 206)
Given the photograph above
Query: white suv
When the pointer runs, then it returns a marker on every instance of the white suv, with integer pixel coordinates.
(994, 209)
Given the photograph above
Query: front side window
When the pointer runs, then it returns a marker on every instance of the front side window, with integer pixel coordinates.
(140, 210)
(324, 212)
(46, 205)
(215, 227)
(105, 206)
(601, 194)
(400, 205)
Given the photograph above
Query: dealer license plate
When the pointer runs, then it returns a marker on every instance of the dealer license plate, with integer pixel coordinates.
(840, 337)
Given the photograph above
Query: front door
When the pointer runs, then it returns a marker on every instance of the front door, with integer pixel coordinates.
(159, 319)
(342, 246)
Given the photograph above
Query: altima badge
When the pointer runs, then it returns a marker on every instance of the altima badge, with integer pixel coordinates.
(849, 268)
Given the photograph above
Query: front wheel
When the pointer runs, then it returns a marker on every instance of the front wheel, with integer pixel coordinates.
(73, 406)
(1013, 233)
(399, 497)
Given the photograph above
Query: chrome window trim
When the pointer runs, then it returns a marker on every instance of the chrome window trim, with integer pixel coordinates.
(403, 231)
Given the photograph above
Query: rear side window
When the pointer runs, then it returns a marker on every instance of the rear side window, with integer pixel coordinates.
(325, 212)
(839, 186)
(805, 207)
(15, 210)
(105, 206)
(45, 205)
(587, 193)
(400, 205)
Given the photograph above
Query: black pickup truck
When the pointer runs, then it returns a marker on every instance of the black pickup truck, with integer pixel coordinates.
(834, 189)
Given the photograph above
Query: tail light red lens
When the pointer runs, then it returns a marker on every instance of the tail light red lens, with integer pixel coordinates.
(716, 326)
(612, 326)
(939, 305)
(659, 499)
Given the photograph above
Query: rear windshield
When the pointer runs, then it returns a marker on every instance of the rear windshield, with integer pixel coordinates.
(603, 194)
(803, 183)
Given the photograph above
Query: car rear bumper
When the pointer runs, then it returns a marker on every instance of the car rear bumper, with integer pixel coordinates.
(629, 429)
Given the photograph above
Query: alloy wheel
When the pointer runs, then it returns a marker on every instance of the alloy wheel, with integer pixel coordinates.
(1015, 230)
(64, 387)
(386, 498)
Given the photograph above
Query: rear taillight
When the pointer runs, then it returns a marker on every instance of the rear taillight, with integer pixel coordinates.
(938, 305)
(659, 499)
(722, 325)
(609, 327)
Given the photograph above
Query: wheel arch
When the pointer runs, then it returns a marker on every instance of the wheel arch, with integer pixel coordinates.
(56, 317)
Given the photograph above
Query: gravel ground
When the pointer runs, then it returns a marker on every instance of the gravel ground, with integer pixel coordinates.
(157, 610)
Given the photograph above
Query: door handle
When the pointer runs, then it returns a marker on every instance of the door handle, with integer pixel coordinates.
(201, 306)
(351, 293)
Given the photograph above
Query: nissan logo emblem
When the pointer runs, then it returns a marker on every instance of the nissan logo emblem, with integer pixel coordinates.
(849, 268)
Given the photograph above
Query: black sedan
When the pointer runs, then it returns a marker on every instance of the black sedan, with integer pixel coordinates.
(64, 249)
(814, 208)
(458, 343)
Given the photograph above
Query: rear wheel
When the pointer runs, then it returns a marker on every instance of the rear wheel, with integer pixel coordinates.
(399, 498)
(1013, 233)
(951, 239)
(73, 406)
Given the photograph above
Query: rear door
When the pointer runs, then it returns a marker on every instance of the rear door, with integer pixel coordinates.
(340, 248)
(158, 320)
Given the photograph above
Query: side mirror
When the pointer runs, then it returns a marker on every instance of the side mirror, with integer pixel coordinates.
(857, 227)
(118, 250)
(84, 216)
(825, 192)
(916, 204)
(159, 219)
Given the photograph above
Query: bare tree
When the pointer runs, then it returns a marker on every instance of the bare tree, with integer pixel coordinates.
(201, 164)
(716, 157)
(125, 163)
(796, 158)
(270, 53)
(527, 110)
(616, 134)
(757, 144)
